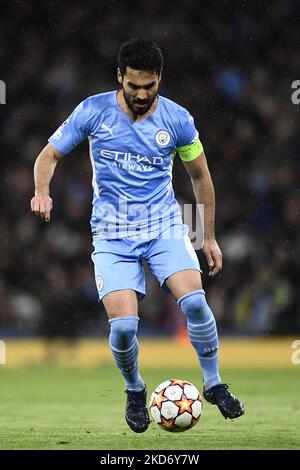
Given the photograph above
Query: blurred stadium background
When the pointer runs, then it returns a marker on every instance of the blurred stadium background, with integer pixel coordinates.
(232, 65)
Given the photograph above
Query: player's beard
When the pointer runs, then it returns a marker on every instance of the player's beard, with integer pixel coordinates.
(138, 111)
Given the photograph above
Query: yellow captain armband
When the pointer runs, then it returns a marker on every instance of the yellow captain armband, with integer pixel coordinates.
(188, 153)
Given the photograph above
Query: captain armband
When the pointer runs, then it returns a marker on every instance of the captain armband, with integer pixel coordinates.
(188, 153)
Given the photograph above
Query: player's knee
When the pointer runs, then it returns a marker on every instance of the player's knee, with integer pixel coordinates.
(122, 331)
(194, 306)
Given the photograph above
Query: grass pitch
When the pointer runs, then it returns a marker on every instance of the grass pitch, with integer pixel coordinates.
(83, 408)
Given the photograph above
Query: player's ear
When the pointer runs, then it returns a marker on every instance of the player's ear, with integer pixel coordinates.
(119, 76)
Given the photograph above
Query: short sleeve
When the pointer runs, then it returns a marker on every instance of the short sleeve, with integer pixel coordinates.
(189, 146)
(187, 132)
(73, 130)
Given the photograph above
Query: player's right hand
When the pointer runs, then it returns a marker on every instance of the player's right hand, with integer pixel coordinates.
(41, 205)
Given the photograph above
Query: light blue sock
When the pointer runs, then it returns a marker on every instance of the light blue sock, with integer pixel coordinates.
(125, 348)
(203, 334)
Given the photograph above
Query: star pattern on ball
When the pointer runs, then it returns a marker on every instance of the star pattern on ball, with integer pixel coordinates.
(158, 399)
(168, 423)
(184, 405)
(179, 382)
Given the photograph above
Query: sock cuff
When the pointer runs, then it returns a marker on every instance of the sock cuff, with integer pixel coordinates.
(129, 317)
(190, 294)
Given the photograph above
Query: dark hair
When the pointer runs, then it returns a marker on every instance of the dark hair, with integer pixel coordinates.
(140, 54)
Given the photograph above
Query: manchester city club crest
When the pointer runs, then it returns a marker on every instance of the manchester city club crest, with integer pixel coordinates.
(99, 283)
(162, 138)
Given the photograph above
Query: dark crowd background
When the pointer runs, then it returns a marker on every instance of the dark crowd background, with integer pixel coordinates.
(232, 65)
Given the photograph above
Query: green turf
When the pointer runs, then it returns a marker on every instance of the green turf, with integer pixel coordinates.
(64, 408)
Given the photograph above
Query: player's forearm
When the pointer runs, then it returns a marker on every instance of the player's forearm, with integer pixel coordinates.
(43, 171)
(205, 194)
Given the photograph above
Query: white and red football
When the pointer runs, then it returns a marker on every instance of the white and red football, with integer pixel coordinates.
(176, 405)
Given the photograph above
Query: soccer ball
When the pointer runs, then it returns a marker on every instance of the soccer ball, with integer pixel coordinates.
(176, 405)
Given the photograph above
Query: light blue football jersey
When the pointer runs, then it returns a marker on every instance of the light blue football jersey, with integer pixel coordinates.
(131, 162)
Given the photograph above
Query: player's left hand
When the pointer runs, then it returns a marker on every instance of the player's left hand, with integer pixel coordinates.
(213, 255)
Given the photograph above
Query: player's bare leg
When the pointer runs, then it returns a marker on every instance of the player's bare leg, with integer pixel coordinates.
(121, 303)
(183, 282)
(122, 310)
(186, 287)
